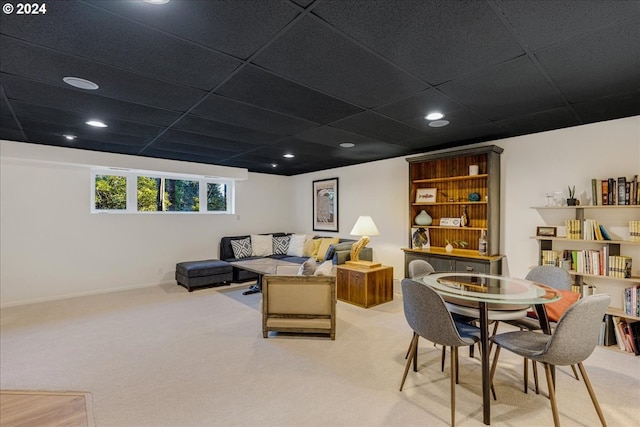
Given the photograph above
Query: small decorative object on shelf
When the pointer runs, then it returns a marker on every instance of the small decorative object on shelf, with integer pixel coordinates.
(474, 169)
(423, 218)
(457, 243)
(464, 218)
(572, 201)
(483, 244)
(474, 197)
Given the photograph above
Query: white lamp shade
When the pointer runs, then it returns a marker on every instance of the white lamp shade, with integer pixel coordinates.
(364, 227)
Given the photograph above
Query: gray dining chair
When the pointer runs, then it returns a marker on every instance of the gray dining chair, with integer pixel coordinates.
(556, 278)
(418, 268)
(573, 341)
(429, 318)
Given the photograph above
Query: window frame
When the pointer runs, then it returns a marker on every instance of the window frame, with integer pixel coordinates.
(132, 191)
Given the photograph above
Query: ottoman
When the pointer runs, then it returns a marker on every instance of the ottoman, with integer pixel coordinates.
(194, 274)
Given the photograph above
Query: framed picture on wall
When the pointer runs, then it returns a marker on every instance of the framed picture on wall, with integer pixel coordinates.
(325, 205)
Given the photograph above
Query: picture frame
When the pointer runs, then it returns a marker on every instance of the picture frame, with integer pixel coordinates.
(546, 231)
(426, 195)
(420, 238)
(325, 205)
(450, 222)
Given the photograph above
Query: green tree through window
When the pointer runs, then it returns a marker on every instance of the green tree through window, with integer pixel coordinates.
(216, 197)
(111, 192)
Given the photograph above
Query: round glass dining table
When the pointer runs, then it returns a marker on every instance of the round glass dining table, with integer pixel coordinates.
(492, 292)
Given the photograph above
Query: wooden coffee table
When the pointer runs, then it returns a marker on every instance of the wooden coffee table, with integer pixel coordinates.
(261, 266)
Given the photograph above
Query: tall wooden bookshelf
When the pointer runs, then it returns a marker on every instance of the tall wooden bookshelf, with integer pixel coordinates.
(448, 175)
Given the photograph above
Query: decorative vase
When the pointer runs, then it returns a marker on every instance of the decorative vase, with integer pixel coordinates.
(423, 218)
(572, 202)
(464, 218)
(449, 247)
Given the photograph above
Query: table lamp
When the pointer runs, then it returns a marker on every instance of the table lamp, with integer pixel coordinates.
(364, 227)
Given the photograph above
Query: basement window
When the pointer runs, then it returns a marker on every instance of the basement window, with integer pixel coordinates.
(115, 191)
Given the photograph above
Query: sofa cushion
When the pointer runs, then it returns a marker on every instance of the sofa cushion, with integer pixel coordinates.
(241, 247)
(311, 247)
(344, 246)
(325, 242)
(308, 267)
(325, 269)
(261, 244)
(280, 245)
(296, 244)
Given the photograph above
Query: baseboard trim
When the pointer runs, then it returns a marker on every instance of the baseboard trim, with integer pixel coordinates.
(84, 294)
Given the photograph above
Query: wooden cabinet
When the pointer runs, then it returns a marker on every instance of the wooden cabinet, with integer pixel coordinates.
(452, 192)
(609, 216)
(364, 287)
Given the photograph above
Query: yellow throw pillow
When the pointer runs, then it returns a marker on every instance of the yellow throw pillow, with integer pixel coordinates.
(324, 246)
(310, 245)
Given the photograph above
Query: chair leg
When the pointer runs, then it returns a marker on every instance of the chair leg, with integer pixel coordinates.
(410, 342)
(552, 395)
(493, 334)
(415, 354)
(454, 350)
(444, 348)
(414, 343)
(454, 376)
(525, 375)
(535, 375)
(592, 394)
(575, 373)
(494, 364)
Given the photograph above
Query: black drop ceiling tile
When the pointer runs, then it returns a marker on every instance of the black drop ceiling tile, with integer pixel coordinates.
(196, 150)
(507, 90)
(113, 144)
(12, 134)
(436, 40)
(236, 27)
(312, 54)
(378, 127)
(195, 124)
(545, 23)
(459, 136)
(611, 56)
(237, 113)
(540, 121)
(84, 31)
(609, 108)
(198, 140)
(265, 90)
(43, 65)
(419, 105)
(84, 102)
(332, 137)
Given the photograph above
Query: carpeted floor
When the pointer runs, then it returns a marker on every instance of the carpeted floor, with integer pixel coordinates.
(164, 357)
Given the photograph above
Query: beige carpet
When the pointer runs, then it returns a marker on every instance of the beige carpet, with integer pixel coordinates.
(164, 357)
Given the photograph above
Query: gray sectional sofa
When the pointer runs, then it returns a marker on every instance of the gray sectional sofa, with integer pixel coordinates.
(338, 254)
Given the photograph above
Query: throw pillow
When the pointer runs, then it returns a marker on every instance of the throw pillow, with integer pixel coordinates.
(311, 247)
(324, 245)
(241, 247)
(280, 245)
(325, 269)
(307, 268)
(296, 243)
(556, 309)
(345, 246)
(261, 244)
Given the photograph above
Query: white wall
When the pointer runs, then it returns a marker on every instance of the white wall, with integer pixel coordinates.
(63, 250)
(52, 246)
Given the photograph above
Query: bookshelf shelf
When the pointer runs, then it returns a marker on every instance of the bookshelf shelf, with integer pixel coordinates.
(612, 247)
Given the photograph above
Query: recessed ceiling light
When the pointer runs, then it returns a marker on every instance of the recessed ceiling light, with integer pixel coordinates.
(439, 123)
(157, 1)
(274, 165)
(70, 137)
(289, 156)
(347, 145)
(434, 116)
(80, 83)
(96, 123)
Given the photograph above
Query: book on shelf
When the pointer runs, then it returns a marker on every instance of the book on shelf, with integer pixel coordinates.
(635, 335)
(605, 234)
(631, 301)
(616, 191)
(620, 266)
(549, 257)
(634, 231)
(573, 229)
(607, 333)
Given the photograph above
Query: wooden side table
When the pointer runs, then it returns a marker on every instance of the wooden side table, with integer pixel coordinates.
(364, 287)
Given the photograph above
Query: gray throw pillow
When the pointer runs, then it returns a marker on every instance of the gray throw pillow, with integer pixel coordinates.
(280, 245)
(241, 247)
(308, 267)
